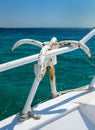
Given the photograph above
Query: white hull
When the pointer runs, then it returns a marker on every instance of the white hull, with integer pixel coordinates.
(71, 111)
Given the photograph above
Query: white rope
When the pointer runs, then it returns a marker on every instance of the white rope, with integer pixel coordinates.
(86, 59)
(83, 88)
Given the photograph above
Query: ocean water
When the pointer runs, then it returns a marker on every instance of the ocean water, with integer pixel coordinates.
(72, 70)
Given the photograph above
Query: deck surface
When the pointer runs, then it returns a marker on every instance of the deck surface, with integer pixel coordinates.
(51, 110)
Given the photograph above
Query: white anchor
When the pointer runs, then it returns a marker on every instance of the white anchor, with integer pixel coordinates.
(47, 62)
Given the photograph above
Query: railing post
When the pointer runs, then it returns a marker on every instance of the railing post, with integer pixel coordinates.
(53, 82)
(27, 107)
(92, 84)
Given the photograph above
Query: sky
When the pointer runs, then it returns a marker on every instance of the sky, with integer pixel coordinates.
(47, 13)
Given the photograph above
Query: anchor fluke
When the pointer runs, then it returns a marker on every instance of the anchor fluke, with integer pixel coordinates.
(27, 41)
(85, 49)
(75, 44)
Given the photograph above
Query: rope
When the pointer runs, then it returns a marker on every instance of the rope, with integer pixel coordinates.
(91, 63)
(83, 88)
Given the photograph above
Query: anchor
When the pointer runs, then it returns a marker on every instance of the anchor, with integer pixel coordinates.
(45, 63)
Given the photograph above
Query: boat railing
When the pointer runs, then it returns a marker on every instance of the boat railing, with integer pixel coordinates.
(46, 59)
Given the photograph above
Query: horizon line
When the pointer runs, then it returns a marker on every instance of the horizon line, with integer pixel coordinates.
(45, 27)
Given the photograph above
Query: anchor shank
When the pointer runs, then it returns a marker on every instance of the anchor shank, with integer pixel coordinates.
(52, 80)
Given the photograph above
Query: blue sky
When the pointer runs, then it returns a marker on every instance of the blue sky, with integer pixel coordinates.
(47, 13)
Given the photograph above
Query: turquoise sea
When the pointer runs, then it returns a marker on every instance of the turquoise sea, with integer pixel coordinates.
(73, 70)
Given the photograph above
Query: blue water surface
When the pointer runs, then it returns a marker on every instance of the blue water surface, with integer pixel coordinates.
(73, 69)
